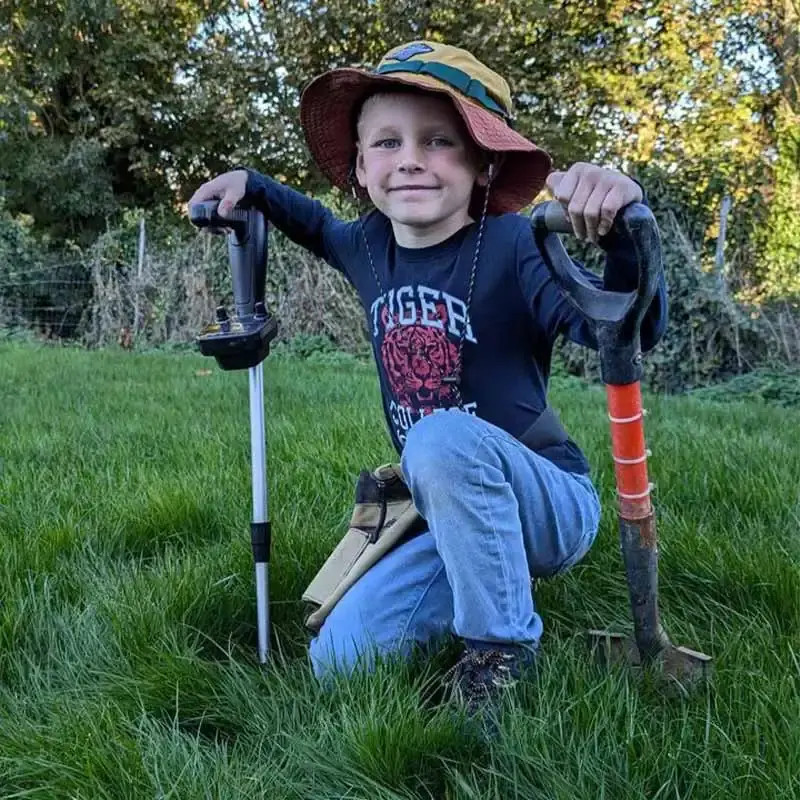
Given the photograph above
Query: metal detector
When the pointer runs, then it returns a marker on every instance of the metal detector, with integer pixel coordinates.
(241, 341)
(616, 319)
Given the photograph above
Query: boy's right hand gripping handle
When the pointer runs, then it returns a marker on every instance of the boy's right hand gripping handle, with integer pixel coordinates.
(247, 250)
(617, 316)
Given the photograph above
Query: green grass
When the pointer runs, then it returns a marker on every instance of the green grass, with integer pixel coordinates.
(127, 636)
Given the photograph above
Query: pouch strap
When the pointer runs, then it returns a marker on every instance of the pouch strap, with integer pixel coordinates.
(545, 431)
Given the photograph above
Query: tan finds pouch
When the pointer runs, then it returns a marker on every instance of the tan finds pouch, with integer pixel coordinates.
(384, 512)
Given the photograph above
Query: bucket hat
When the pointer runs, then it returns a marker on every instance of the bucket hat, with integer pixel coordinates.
(330, 103)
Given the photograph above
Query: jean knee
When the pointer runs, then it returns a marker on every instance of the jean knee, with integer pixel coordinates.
(403, 600)
(349, 639)
(334, 652)
(435, 448)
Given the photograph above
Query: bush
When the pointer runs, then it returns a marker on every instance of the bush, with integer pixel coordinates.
(315, 349)
(710, 336)
(777, 386)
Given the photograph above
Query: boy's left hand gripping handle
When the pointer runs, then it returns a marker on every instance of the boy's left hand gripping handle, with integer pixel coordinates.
(247, 249)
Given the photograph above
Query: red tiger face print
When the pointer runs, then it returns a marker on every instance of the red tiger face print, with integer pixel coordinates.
(416, 359)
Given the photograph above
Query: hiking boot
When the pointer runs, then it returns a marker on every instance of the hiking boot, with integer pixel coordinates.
(483, 673)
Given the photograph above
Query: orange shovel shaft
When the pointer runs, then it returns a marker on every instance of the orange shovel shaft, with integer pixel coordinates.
(628, 449)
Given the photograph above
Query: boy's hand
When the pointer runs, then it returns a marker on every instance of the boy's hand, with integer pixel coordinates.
(229, 188)
(592, 196)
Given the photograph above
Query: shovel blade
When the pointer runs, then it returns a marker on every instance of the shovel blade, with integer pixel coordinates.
(680, 664)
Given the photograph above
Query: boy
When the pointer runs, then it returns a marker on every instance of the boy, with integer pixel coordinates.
(463, 316)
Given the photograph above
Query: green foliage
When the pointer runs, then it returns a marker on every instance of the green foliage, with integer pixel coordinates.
(688, 89)
(778, 272)
(709, 337)
(39, 286)
(19, 250)
(112, 108)
(711, 334)
(337, 358)
(62, 182)
(316, 349)
(133, 104)
(778, 386)
(90, 103)
(305, 345)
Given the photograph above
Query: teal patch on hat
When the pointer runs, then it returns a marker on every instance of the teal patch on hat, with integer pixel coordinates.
(456, 78)
(410, 50)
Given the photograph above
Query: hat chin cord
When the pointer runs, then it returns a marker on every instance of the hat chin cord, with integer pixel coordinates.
(454, 378)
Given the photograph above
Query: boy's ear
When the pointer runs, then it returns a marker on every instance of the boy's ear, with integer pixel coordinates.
(490, 159)
(358, 170)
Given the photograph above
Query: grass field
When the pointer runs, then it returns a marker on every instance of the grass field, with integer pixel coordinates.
(127, 635)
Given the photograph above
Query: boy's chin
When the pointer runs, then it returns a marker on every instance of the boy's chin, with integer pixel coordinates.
(415, 220)
(415, 217)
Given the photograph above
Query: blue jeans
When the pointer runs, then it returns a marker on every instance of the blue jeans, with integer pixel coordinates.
(497, 515)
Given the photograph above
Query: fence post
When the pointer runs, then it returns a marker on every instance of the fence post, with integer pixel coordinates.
(719, 267)
(138, 286)
(719, 259)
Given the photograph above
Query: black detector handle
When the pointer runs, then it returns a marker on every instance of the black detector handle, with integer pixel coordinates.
(247, 250)
(241, 341)
(617, 316)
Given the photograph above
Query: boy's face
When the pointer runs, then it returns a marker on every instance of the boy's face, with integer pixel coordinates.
(418, 165)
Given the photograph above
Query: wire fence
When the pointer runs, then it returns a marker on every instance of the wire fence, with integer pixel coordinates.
(127, 292)
(102, 298)
(131, 295)
(48, 299)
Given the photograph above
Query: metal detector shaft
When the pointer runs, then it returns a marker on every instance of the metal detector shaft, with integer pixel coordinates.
(260, 528)
(242, 341)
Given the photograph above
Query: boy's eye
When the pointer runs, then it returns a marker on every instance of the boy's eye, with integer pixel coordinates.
(386, 144)
(441, 141)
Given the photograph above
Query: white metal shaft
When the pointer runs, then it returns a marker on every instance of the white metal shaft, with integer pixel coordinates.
(262, 611)
(258, 459)
(258, 443)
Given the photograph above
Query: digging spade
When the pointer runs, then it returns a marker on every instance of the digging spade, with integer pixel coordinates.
(616, 319)
(241, 341)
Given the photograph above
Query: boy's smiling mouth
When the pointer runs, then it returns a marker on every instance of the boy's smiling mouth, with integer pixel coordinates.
(412, 188)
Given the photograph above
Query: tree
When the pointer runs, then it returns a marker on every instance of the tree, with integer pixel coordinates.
(89, 105)
(114, 103)
(779, 270)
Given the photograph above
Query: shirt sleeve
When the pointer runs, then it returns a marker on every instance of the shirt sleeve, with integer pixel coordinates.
(304, 220)
(555, 314)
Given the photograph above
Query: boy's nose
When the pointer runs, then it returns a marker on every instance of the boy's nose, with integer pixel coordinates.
(410, 159)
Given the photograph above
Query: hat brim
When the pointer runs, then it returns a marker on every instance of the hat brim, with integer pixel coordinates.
(327, 110)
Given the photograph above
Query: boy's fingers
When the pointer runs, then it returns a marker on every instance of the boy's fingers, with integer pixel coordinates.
(229, 200)
(577, 208)
(592, 197)
(200, 196)
(593, 211)
(210, 190)
(612, 203)
(565, 184)
(230, 187)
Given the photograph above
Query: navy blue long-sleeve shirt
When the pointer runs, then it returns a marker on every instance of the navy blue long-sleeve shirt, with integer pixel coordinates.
(516, 313)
